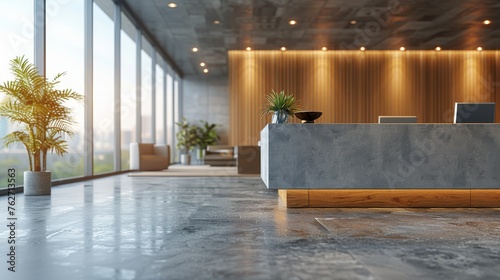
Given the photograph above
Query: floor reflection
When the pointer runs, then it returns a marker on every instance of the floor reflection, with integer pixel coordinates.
(234, 228)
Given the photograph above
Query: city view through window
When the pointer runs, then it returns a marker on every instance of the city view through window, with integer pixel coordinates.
(64, 52)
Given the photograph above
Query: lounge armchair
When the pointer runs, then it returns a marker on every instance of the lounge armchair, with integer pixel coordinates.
(149, 157)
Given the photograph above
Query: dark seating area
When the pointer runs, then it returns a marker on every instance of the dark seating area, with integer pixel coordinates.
(220, 155)
(246, 158)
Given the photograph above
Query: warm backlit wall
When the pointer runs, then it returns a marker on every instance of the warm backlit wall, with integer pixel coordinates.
(357, 87)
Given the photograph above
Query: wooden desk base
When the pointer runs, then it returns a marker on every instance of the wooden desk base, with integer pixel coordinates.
(391, 198)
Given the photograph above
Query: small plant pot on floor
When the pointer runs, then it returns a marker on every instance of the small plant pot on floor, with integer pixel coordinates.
(37, 183)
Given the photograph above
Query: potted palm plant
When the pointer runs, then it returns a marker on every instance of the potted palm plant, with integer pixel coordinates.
(207, 135)
(187, 138)
(39, 111)
(282, 106)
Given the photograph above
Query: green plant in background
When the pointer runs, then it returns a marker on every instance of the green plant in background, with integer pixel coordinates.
(207, 135)
(187, 136)
(33, 103)
(280, 103)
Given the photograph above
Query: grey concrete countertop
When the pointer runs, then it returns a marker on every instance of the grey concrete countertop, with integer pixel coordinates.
(381, 156)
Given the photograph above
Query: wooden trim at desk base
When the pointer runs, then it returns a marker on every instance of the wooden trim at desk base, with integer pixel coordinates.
(295, 198)
(445, 198)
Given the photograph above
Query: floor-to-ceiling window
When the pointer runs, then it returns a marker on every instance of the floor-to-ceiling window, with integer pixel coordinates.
(146, 93)
(160, 103)
(65, 54)
(170, 114)
(103, 89)
(177, 113)
(16, 31)
(128, 89)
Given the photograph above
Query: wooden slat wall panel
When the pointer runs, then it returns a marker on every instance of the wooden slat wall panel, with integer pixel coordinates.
(357, 87)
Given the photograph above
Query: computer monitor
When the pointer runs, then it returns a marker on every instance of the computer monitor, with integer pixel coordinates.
(397, 119)
(474, 112)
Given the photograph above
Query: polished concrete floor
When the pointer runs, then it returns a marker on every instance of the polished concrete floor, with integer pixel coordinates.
(234, 228)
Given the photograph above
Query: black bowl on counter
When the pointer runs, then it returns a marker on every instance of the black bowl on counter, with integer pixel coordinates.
(308, 116)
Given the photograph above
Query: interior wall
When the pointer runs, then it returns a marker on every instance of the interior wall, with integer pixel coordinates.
(357, 87)
(207, 98)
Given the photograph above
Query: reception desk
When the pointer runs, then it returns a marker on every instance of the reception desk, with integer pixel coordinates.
(383, 165)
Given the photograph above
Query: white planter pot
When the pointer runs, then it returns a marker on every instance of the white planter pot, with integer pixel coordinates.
(37, 183)
(201, 153)
(185, 159)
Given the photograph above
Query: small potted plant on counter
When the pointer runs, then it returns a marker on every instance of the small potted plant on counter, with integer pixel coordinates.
(282, 106)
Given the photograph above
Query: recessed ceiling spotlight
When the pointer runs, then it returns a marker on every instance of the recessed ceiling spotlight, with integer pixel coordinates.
(402, 49)
(362, 49)
(283, 49)
(292, 22)
(195, 49)
(216, 21)
(324, 48)
(172, 5)
(205, 70)
(202, 64)
(249, 49)
(487, 22)
(353, 22)
(438, 49)
(479, 49)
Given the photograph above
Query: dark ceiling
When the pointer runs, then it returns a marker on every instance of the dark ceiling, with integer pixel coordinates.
(263, 25)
